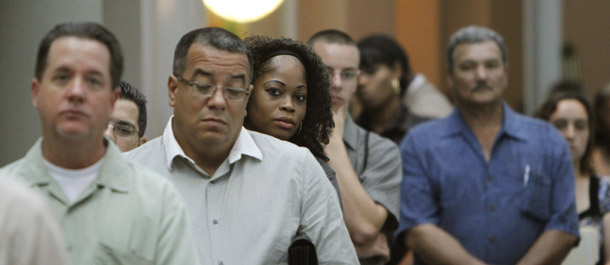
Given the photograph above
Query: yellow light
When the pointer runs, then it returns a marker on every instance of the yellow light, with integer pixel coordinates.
(242, 11)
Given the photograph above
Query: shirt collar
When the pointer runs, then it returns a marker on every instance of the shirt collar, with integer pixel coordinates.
(350, 134)
(511, 124)
(171, 146)
(244, 145)
(112, 172)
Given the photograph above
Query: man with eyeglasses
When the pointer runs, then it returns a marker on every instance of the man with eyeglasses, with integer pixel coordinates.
(128, 120)
(249, 194)
(367, 165)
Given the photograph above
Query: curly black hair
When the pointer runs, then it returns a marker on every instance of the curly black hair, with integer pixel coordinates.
(318, 122)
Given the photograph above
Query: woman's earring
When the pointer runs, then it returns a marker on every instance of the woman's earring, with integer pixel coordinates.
(396, 86)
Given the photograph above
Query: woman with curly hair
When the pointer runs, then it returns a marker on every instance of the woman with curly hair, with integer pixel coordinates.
(291, 98)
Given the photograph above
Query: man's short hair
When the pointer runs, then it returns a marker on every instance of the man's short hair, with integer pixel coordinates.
(214, 37)
(128, 92)
(85, 30)
(332, 36)
(474, 34)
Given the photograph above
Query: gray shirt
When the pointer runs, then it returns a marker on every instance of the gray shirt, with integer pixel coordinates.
(379, 169)
(264, 195)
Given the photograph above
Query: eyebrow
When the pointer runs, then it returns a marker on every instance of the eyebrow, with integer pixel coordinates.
(123, 122)
(275, 81)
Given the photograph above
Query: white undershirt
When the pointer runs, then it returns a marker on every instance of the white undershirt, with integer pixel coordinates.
(74, 181)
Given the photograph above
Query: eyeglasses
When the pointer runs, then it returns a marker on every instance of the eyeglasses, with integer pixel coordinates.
(207, 90)
(122, 128)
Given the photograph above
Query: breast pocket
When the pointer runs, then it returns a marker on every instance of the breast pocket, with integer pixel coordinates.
(105, 255)
(537, 199)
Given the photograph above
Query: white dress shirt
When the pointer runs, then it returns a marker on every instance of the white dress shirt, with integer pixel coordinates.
(264, 195)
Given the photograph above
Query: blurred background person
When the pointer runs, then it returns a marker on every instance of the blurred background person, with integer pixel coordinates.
(29, 233)
(367, 165)
(385, 77)
(291, 98)
(128, 120)
(568, 109)
(601, 150)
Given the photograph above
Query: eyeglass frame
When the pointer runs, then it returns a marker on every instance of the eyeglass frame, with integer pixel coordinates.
(132, 128)
(194, 85)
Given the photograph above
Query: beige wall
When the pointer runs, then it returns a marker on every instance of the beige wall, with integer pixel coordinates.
(355, 17)
(586, 25)
(418, 29)
(24, 23)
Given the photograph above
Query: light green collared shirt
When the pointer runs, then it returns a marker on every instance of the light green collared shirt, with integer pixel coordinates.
(128, 215)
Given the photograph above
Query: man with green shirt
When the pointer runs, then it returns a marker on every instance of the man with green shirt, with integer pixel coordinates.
(110, 211)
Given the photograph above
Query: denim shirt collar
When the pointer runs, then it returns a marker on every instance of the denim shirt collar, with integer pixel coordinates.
(511, 125)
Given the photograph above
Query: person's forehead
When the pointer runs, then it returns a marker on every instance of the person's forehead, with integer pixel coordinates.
(571, 107)
(126, 110)
(71, 46)
(485, 50)
(338, 56)
(216, 61)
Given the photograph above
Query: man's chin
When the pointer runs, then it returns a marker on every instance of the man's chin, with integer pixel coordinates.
(73, 133)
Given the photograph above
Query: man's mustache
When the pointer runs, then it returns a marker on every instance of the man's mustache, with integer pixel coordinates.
(482, 85)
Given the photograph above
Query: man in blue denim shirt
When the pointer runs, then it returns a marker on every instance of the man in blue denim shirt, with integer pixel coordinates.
(485, 185)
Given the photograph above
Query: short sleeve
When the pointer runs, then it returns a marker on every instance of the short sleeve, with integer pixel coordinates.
(418, 203)
(381, 177)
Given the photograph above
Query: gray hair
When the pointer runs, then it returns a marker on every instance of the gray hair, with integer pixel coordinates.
(214, 37)
(474, 34)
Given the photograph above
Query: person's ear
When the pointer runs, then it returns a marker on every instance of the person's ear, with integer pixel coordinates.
(250, 88)
(142, 140)
(34, 89)
(449, 79)
(116, 93)
(172, 86)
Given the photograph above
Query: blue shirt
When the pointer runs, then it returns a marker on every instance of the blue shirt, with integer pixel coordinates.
(495, 209)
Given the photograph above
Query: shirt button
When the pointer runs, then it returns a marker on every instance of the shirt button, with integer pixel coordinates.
(69, 247)
(492, 239)
(492, 207)
(215, 222)
(489, 178)
(220, 263)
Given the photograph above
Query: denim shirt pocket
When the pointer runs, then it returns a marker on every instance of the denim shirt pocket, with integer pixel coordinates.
(537, 199)
(108, 255)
